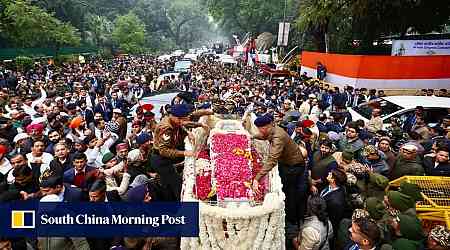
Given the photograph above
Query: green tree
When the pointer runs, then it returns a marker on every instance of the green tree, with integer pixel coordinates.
(64, 34)
(315, 18)
(99, 30)
(377, 19)
(255, 16)
(72, 11)
(80, 12)
(180, 14)
(30, 26)
(367, 21)
(129, 33)
(173, 23)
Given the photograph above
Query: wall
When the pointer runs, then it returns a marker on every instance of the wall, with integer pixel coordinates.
(381, 72)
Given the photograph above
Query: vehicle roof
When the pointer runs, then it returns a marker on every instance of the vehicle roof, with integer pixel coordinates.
(228, 60)
(157, 101)
(410, 102)
(184, 60)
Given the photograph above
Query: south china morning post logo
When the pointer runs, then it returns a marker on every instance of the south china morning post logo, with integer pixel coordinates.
(103, 220)
(23, 219)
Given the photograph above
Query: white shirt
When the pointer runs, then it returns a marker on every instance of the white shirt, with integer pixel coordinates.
(98, 132)
(328, 191)
(61, 195)
(294, 134)
(30, 109)
(5, 167)
(46, 158)
(305, 108)
(54, 197)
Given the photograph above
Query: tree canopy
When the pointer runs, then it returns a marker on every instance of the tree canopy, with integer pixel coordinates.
(368, 21)
(255, 16)
(129, 33)
(162, 25)
(30, 26)
(167, 24)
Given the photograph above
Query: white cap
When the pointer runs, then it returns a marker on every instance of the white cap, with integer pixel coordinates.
(312, 96)
(59, 98)
(409, 147)
(117, 111)
(134, 155)
(20, 136)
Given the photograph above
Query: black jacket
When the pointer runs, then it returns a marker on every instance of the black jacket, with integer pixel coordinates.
(73, 194)
(339, 99)
(12, 192)
(59, 168)
(336, 207)
(106, 111)
(113, 196)
(88, 116)
(439, 170)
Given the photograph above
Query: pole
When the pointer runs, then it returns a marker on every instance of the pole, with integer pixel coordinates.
(284, 30)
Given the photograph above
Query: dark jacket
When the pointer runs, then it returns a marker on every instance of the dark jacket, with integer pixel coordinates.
(50, 148)
(336, 206)
(118, 104)
(12, 192)
(404, 167)
(439, 170)
(339, 99)
(73, 194)
(409, 123)
(350, 98)
(322, 127)
(106, 111)
(325, 100)
(113, 196)
(390, 159)
(88, 116)
(59, 168)
(334, 126)
(69, 175)
(359, 99)
(321, 166)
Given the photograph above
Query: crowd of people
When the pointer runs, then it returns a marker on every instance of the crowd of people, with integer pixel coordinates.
(68, 133)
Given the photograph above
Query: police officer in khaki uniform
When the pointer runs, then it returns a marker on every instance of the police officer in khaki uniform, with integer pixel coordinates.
(291, 164)
(168, 148)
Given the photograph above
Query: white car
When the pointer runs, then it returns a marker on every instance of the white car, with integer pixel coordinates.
(164, 57)
(162, 77)
(192, 57)
(228, 61)
(157, 101)
(182, 66)
(436, 108)
(178, 52)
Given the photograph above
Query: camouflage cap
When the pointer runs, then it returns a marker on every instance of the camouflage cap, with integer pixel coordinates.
(358, 169)
(360, 213)
(441, 235)
(369, 150)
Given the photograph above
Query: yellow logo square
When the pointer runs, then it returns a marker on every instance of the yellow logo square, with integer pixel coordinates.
(22, 219)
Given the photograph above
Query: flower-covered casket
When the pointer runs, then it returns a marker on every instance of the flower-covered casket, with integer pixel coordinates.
(232, 215)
